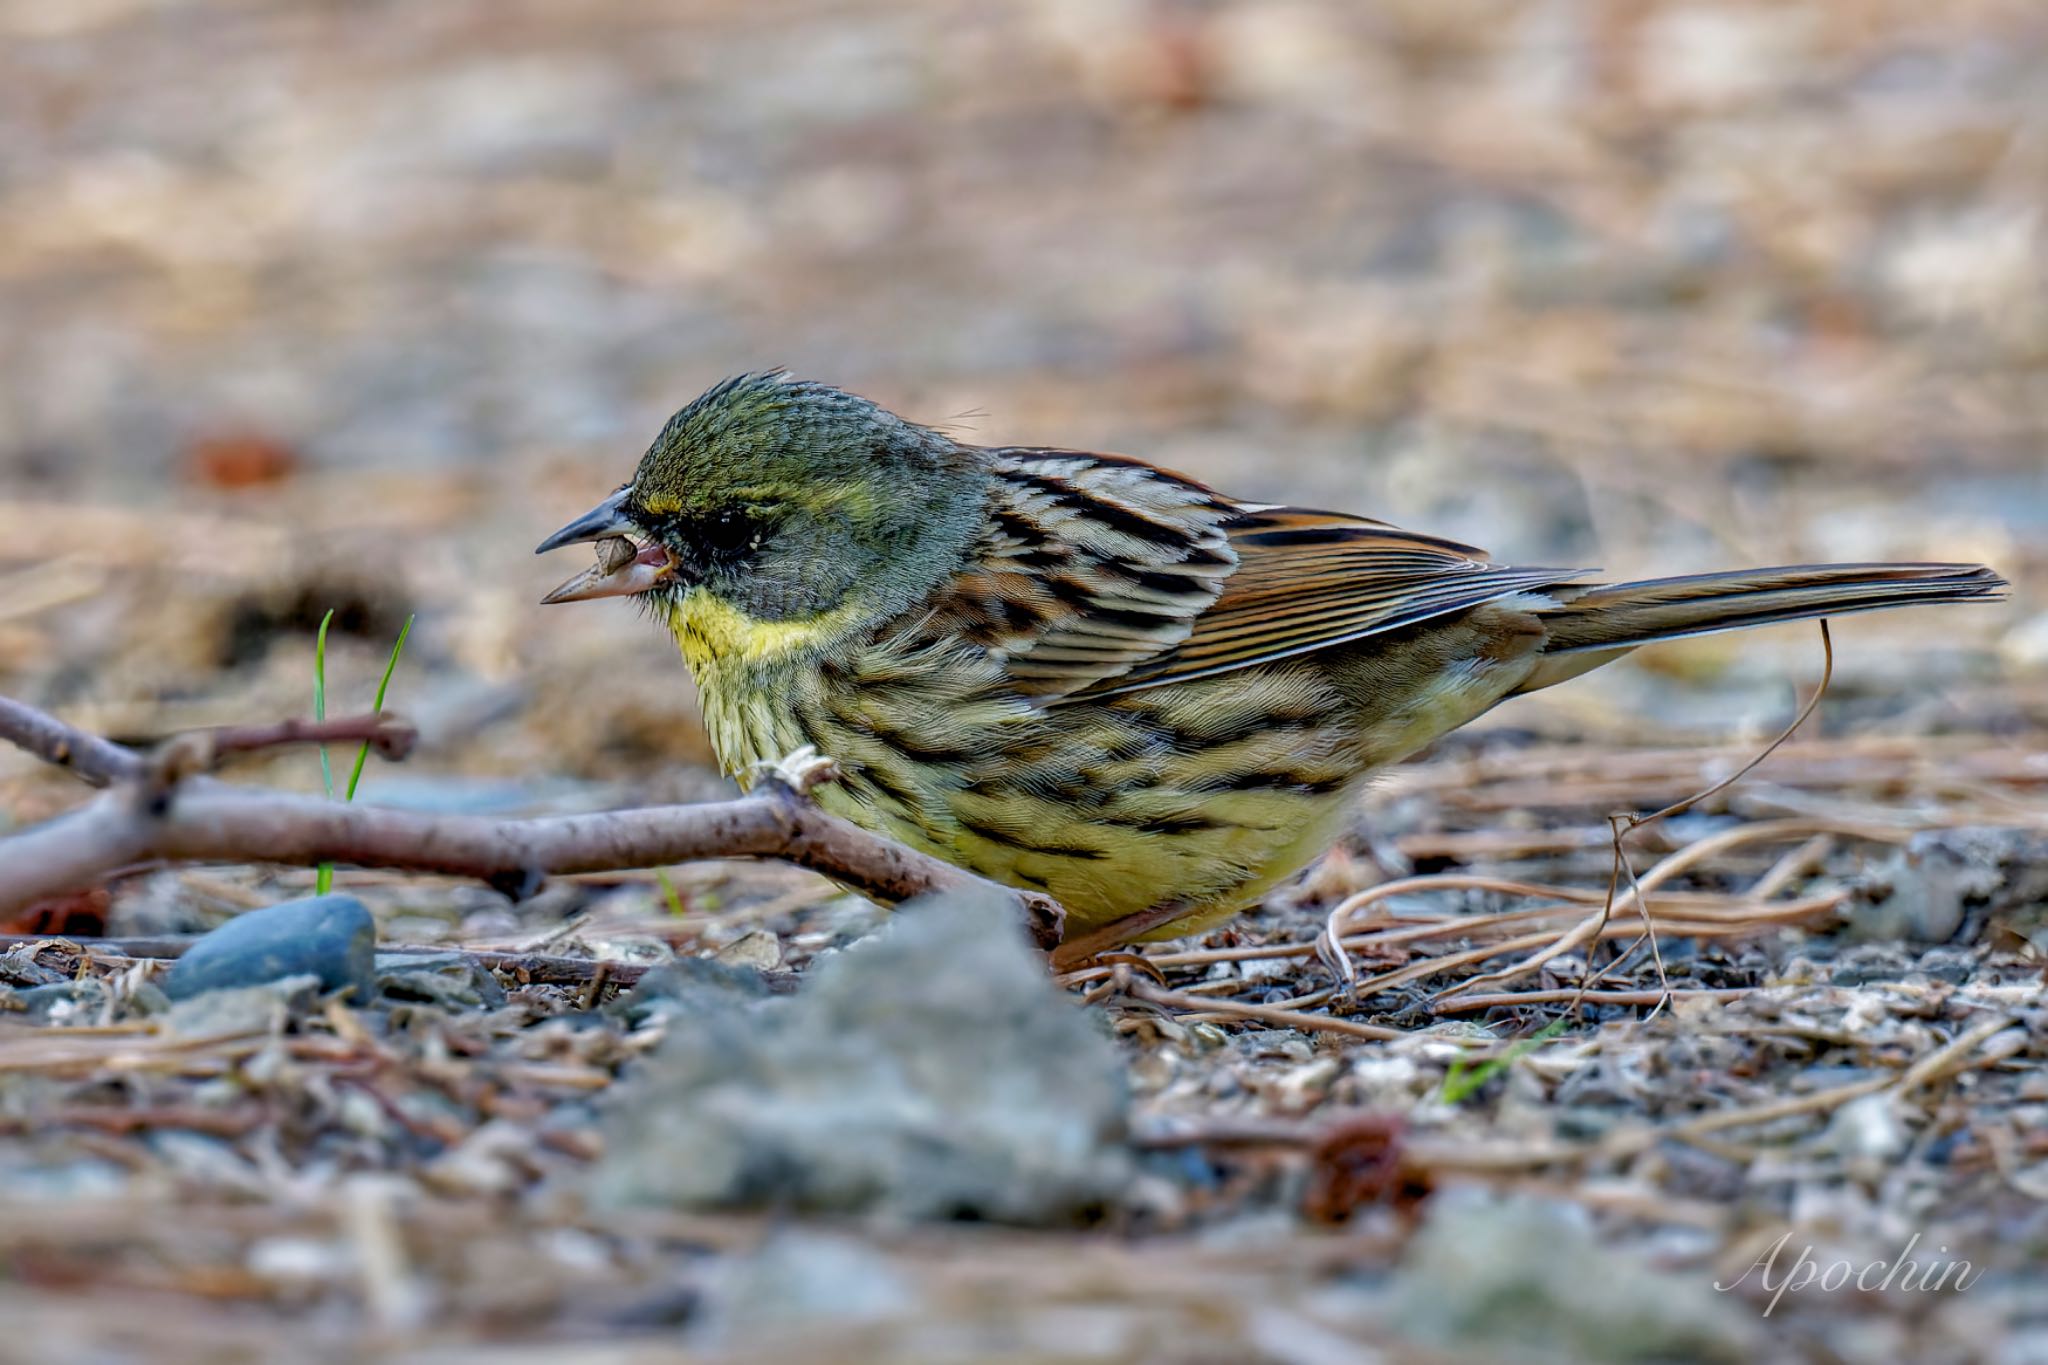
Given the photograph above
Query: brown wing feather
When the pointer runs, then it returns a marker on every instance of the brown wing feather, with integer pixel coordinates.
(1307, 580)
(1101, 575)
(1091, 564)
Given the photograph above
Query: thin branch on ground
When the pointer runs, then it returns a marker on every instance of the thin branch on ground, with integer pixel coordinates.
(1950, 1058)
(1468, 1004)
(1594, 928)
(1277, 1018)
(1624, 824)
(203, 820)
(100, 762)
(388, 736)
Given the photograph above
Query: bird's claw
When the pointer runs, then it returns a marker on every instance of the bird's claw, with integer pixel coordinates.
(800, 771)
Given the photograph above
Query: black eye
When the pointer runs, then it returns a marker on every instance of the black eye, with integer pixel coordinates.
(730, 532)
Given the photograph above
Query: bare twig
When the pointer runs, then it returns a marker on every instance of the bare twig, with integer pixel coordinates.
(1596, 927)
(225, 1123)
(1466, 1004)
(1625, 823)
(95, 760)
(1951, 1057)
(1808, 857)
(1827, 675)
(387, 735)
(1623, 826)
(102, 762)
(1703, 924)
(213, 822)
(1277, 1018)
(202, 820)
(198, 751)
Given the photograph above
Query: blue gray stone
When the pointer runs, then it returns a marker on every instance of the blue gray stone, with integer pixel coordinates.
(331, 938)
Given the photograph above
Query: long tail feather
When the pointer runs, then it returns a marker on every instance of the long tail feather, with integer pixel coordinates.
(1591, 625)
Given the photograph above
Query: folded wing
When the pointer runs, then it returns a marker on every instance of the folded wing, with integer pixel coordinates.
(1101, 576)
(1308, 580)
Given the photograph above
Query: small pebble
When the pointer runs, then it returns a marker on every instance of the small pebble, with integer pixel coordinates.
(331, 938)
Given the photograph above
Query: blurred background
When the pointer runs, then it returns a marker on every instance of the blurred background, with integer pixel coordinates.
(342, 305)
(345, 305)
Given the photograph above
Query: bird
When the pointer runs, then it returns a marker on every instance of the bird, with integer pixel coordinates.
(1085, 675)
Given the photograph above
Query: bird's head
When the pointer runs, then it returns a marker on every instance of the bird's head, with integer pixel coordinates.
(779, 503)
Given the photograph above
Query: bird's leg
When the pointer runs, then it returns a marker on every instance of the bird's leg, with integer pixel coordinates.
(800, 771)
(1115, 934)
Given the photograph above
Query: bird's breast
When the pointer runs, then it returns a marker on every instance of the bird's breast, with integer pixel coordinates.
(1206, 792)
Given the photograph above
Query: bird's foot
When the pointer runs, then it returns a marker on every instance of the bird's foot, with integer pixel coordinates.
(801, 771)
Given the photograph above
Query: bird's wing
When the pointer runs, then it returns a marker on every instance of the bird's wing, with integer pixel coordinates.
(1307, 580)
(1101, 575)
(1090, 566)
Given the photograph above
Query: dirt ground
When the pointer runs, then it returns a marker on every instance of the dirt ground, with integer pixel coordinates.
(312, 307)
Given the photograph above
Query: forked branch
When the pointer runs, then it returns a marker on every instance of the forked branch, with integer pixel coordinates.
(200, 819)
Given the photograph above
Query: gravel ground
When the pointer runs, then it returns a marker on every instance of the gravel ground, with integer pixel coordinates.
(316, 306)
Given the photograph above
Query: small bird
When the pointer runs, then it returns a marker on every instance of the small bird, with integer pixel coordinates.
(1089, 676)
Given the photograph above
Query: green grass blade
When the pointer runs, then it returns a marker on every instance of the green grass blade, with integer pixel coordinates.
(669, 893)
(323, 877)
(383, 684)
(1460, 1081)
(320, 697)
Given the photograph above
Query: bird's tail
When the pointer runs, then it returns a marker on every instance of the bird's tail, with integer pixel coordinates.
(1591, 625)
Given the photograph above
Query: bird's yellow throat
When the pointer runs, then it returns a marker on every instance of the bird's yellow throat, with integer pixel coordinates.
(713, 634)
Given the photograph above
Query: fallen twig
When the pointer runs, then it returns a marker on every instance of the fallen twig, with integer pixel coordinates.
(1277, 1018)
(1466, 1004)
(387, 735)
(95, 760)
(203, 820)
(1625, 823)
(1951, 1057)
(1595, 927)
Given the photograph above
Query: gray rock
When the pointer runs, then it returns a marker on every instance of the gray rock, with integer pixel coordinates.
(1954, 884)
(239, 1011)
(688, 988)
(331, 938)
(931, 1071)
(797, 1280)
(1529, 1281)
(45, 1003)
(17, 968)
(450, 980)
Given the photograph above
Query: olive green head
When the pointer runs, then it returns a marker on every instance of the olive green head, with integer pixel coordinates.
(787, 499)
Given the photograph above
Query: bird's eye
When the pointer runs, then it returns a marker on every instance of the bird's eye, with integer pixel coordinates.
(730, 531)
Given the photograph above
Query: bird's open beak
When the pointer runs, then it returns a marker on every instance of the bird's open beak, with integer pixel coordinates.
(616, 573)
(608, 518)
